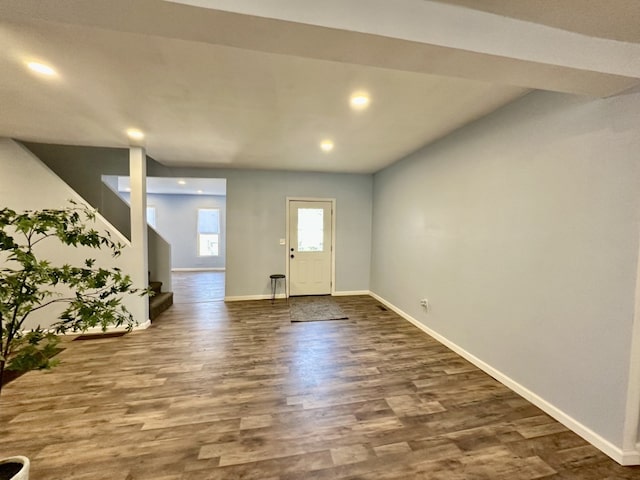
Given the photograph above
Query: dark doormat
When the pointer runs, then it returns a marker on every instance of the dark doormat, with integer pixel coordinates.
(312, 309)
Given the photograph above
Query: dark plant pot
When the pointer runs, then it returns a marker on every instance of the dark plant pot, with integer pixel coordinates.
(14, 468)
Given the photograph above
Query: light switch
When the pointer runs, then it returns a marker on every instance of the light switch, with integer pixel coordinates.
(282, 241)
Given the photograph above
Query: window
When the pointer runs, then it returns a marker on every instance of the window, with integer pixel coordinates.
(151, 216)
(310, 229)
(208, 232)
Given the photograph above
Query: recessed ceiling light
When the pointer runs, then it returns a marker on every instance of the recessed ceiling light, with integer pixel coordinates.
(326, 145)
(135, 134)
(359, 101)
(41, 69)
(181, 182)
(199, 191)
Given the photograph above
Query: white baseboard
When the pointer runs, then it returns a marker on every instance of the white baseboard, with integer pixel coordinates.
(202, 269)
(348, 293)
(143, 326)
(242, 298)
(629, 457)
(122, 328)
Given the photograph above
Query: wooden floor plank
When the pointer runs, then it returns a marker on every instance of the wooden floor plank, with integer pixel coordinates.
(236, 391)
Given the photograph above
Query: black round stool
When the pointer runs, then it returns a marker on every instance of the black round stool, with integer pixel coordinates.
(274, 284)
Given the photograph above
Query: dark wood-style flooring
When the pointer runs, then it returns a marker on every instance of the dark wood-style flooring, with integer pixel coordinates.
(197, 287)
(235, 391)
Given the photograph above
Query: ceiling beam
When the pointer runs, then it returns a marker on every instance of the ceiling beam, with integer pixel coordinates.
(410, 35)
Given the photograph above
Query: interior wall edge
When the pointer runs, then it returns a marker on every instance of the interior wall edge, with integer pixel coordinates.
(624, 457)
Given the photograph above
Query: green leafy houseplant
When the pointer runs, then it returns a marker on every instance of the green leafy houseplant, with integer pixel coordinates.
(92, 295)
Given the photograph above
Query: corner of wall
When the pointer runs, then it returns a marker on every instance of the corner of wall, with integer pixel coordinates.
(623, 457)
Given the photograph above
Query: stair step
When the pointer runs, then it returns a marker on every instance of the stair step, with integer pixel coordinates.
(156, 287)
(159, 303)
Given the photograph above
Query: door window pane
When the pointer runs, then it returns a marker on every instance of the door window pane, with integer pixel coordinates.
(310, 229)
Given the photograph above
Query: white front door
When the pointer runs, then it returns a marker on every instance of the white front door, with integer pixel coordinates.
(310, 237)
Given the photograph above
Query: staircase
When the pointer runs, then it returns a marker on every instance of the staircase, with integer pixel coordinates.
(160, 301)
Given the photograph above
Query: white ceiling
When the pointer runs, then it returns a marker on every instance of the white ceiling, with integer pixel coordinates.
(179, 186)
(213, 86)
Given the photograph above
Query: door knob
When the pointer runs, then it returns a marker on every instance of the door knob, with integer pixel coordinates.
(292, 255)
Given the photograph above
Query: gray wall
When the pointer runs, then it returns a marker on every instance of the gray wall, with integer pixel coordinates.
(113, 207)
(522, 231)
(256, 221)
(82, 168)
(255, 211)
(117, 210)
(27, 183)
(159, 256)
(177, 220)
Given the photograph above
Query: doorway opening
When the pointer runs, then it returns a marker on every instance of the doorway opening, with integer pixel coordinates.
(186, 234)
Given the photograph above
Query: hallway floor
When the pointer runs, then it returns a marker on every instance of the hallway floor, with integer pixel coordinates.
(198, 287)
(236, 391)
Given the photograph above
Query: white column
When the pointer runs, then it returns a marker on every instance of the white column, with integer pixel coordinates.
(139, 243)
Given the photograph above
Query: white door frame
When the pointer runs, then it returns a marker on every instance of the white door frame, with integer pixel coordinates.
(333, 237)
